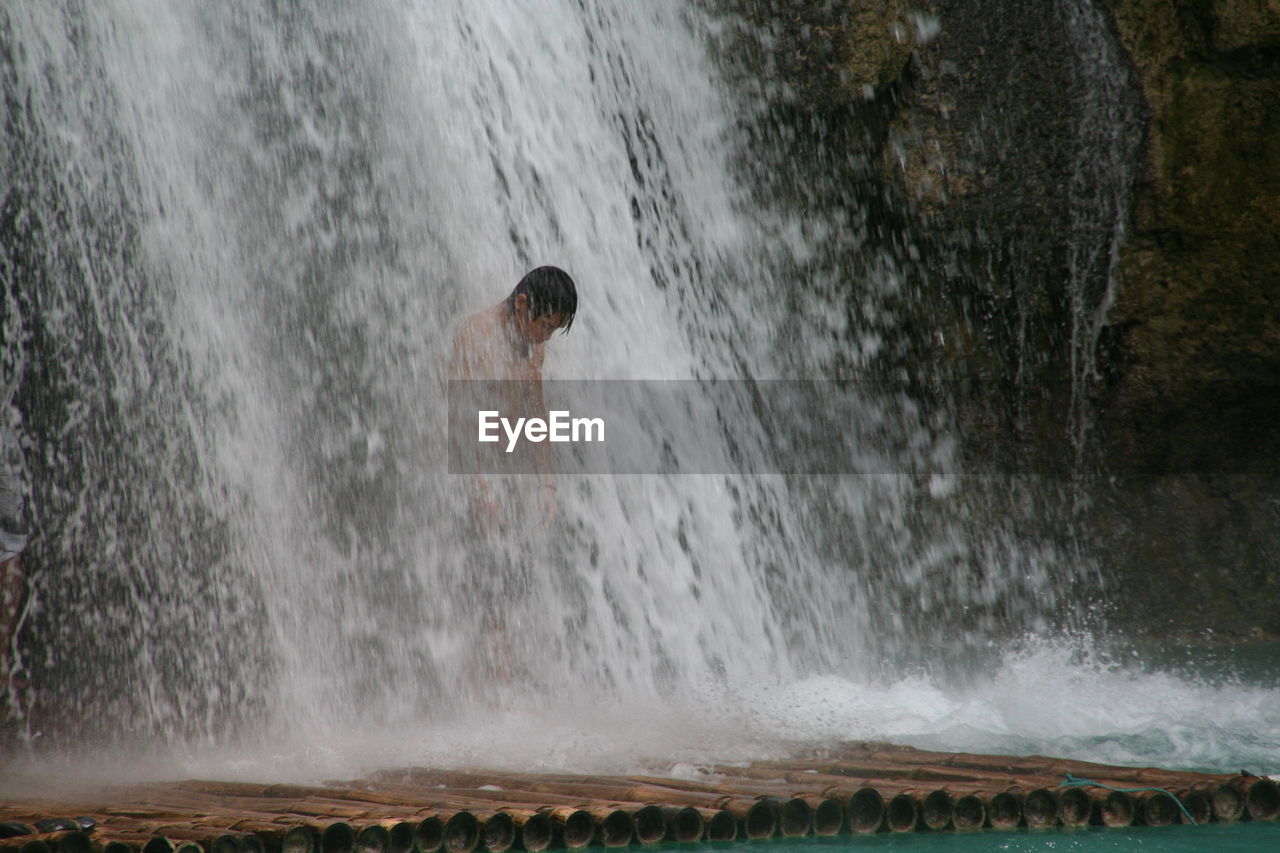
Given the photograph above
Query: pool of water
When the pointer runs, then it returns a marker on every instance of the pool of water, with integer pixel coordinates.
(1247, 837)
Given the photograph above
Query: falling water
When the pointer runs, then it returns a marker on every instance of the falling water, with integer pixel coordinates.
(263, 223)
(236, 240)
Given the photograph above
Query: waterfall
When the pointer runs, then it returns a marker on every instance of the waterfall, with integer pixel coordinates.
(241, 238)
(236, 239)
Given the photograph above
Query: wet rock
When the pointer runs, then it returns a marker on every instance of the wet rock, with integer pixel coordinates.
(826, 54)
(1153, 360)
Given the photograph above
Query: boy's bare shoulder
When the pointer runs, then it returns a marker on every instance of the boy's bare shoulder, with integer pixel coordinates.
(479, 326)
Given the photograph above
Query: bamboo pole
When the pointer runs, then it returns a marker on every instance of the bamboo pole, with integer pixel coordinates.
(614, 827)
(721, 825)
(461, 833)
(371, 838)
(573, 827)
(901, 813)
(1116, 809)
(337, 837)
(1014, 765)
(214, 839)
(828, 815)
(1227, 801)
(649, 824)
(1004, 808)
(282, 837)
(429, 834)
(756, 817)
(154, 843)
(1262, 796)
(25, 844)
(61, 841)
(534, 832)
(930, 766)
(400, 834)
(682, 824)
(497, 831)
(1040, 808)
(824, 816)
(865, 811)
(933, 808)
(1198, 804)
(115, 847)
(969, 813)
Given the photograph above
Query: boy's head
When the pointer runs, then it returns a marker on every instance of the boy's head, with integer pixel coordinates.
(543, 301)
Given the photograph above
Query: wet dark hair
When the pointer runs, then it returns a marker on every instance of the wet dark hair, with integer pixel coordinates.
(550, 291)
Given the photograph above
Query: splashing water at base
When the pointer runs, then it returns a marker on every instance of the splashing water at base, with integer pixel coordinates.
(1053, 700)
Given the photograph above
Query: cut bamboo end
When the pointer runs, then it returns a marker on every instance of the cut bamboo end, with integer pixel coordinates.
(161, 844)
(1155, 808)
(336, 837)
(574, 828)
(461, 833)
(936, 810)
(865, 811)
(1228, 803)
(1198, 805)
(1004, 810)
(280, 838)
(400, 835)
(1074, 808)
(828, 818)
(901, 815)
(295, 839)
(969, 813)
(225, 843)
(683, 825)
(1262, 797)
(649, 824)
(428, 834)
(373, 838)
(1114, 810)
(759, 822)
(721, 826)
(498, 832)
(614, 827)
(535, 831)
(1040, 809)
(250, 843)
(793, 817)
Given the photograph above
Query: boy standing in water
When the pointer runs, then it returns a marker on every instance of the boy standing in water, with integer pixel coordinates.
(507, 342)
(499, 352)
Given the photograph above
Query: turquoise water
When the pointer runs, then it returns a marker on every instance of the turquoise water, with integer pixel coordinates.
(1214, 838)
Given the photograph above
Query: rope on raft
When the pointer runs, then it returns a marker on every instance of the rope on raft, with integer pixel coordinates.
(1076, 782)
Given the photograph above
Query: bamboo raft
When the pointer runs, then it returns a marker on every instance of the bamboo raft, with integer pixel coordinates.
(854, 789)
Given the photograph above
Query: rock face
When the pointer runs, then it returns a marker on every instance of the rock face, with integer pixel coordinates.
(1094, 186)
(1194, 390)
(1198, 344)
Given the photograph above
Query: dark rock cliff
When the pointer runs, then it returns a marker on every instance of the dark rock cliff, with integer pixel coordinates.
(1093, 192)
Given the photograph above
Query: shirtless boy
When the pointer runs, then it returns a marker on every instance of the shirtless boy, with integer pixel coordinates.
(508, 342)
